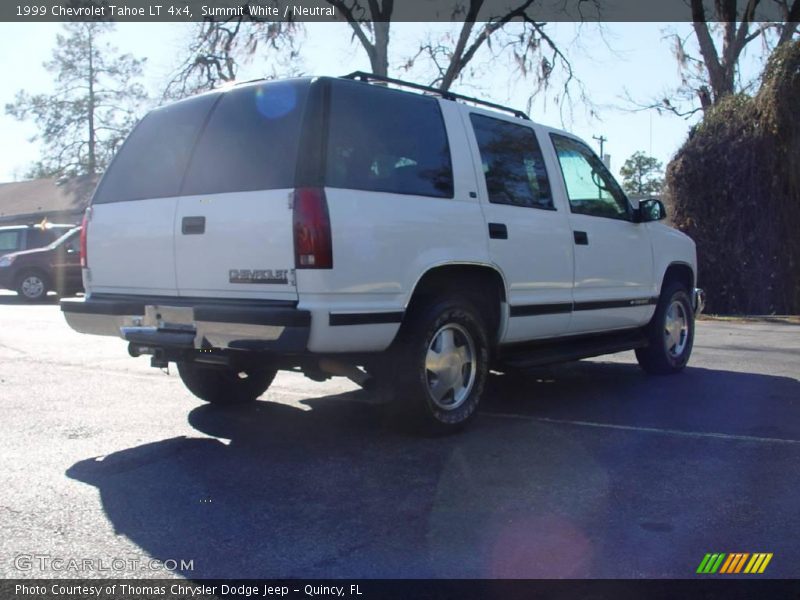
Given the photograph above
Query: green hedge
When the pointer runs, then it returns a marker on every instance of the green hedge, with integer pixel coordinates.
(735, 188)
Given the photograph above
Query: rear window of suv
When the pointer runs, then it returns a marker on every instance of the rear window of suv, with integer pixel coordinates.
(249, 142)
(153, 160)
(387, 141)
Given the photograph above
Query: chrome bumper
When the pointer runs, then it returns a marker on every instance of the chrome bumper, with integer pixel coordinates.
(698, 301)
(194, 326)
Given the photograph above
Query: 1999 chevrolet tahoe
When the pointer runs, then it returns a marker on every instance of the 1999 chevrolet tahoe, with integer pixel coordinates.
(373, 228)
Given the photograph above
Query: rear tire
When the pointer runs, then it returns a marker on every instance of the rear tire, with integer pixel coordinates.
(223, 385)
(440, 361)
(32, 286)
(670, 333)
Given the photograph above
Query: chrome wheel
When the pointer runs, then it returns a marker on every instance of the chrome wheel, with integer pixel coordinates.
(450, 366)
(32, 287)
(676, 329)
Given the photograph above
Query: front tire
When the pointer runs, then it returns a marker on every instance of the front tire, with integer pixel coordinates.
(32, 286)
(223, 385)
(670, 333)
(441, 363)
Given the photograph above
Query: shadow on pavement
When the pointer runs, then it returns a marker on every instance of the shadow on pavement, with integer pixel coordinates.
(697, 400)
(17, 300)
(332, 492)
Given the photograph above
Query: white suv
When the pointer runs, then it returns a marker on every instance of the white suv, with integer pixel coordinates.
(407, 240)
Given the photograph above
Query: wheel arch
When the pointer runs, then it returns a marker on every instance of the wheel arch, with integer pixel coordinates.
(483, 284)
(681, 272)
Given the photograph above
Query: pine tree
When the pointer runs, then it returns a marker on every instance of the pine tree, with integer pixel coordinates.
(92, 108)
(641, 174)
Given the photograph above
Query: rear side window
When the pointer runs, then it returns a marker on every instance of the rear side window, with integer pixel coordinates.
(153, 160)
(9, 241)
(251, 140)
(387, 141)
(38, 237)
(512, 163)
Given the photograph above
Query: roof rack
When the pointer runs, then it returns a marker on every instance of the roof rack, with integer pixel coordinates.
(447, 95)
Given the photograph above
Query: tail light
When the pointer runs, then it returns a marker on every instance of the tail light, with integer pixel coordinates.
(312, 230)
(84, 232)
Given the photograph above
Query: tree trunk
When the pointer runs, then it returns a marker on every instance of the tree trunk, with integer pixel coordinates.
(92, 166)
(379, 57)
(456, 64)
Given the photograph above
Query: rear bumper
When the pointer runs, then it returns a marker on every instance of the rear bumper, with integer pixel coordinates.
(276, 326)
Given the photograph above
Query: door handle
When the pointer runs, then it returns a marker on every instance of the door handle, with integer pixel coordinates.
(193, 225)
(498, 231)
(581, 238)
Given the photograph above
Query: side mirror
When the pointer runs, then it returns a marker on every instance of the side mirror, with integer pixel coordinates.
(651, 210)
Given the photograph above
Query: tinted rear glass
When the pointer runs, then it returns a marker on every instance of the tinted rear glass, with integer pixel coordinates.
(387, 141)
(512, 163)
(251, 140)
(38, 237)
(153, 159)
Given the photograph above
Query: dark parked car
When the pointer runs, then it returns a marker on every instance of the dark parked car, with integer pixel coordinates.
(15, 238)
(57, 267)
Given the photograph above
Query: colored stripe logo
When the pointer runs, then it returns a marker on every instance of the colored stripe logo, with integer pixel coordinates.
(736, 562)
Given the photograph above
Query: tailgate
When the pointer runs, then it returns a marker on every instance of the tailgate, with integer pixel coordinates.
(233, 232)
(236, 245)
(129, 234)
(129, 248)
(196, 204)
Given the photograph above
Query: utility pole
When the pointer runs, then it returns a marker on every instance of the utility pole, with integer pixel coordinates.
(602, 139)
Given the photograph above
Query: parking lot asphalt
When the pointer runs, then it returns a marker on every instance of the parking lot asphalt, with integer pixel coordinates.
(589, 469)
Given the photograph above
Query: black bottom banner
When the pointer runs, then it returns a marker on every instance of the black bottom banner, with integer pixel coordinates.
(399, 589)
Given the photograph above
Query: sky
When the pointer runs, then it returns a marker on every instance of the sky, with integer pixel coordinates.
(625, 58)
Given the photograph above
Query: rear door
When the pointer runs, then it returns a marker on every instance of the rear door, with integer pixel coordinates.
(233, 226)
(67, 262)
(130, 235)
(528, 231)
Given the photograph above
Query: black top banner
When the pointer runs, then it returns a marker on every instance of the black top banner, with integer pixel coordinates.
(372, 10)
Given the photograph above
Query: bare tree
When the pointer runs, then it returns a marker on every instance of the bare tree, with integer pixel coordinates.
(218, 48)
(370, 25)
(515, 32)
(709, 68)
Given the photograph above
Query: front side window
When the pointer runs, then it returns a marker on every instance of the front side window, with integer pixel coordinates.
(512, 163)
(9, 241)
(387, 141)
(590, 187)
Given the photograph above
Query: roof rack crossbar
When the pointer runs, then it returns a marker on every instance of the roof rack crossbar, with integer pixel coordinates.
(447, 95)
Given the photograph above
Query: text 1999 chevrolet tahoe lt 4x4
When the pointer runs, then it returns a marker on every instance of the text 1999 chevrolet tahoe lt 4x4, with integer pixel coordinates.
(407, 239)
